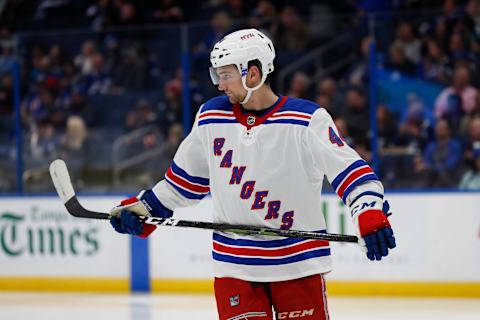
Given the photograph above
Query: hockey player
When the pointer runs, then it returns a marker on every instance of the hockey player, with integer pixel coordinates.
(262, 157)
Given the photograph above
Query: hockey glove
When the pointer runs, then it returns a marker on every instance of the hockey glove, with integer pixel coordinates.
(125, 217)
(376, 234)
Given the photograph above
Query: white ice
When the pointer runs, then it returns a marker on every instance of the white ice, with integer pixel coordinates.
(67, 306)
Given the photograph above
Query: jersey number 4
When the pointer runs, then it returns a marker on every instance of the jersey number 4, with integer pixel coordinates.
(334, 138)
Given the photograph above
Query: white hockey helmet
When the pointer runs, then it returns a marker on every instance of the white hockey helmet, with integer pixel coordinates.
(240, 47)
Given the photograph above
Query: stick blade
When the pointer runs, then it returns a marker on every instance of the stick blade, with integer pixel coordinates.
(61, 180)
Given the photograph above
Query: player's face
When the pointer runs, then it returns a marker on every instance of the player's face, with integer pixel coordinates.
(230, 82)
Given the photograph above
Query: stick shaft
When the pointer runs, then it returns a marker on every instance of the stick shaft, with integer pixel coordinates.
(76, 209)
(63, 185)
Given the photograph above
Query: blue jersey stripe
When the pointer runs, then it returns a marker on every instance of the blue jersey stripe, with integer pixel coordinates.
(345, 172)
(257, 243)
(186, 194)
(271, 262)
(371, 176)
(288, 121)
(220, 103)
(366, 193)
(208, 121)
(182, 173)
(299, 105)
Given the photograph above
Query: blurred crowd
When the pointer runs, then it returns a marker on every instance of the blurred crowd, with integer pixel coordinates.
(106, 91)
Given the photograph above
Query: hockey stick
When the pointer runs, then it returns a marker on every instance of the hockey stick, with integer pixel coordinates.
(63, 185)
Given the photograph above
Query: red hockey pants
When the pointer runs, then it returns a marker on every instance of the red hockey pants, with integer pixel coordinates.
(303, 298)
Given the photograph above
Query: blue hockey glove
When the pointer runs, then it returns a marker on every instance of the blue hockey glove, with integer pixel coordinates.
(375, 232)
(128, 223)
(379, 242)
(125, 217)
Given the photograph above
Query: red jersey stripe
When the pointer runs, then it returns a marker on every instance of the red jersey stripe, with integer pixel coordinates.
(352, 177)
(291, 115)
(270, 252)
(185, 184)
(217, 114)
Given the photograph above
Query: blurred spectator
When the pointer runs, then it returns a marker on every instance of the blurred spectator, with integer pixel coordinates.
(100, 14)
(165, 11)
(48, 9)
(398, 61)
(238, 8)
(143, 115)
(387, 131)
(422, 176)
(324, 101)
(57, 57)
(170, 110)
(293, 34)
(127, 13)
(443, 156)
(43, 107)
(342, 128)
(435, 64)
(473, 20)
(473, 12)
(6, 106)
(357, 116)
(358, 74)
(220, 25)
(407, 40)
(42, 72)
(299, 85)
(458, 48)
(363, 149)
(446, 103)
(6, 95)
(131, 73)
(73, 141)
(412, 134)
(83, 61)
(96, 81)
(158, 154)
(473, 139)
(264, 18)
(441, 33)
(113, 55)
(174, 138)
(469, 116)
(471, 178)
(7, 59)
(80, 106)
(414, 128)
(328, 87)
(43, 144)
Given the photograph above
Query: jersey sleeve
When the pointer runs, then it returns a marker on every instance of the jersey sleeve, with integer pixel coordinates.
(187, 179)
(351, 177)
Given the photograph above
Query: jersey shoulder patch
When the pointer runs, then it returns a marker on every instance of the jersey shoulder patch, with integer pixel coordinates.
(216, 110)
(294, 111)
(220, 103)
(300, 105)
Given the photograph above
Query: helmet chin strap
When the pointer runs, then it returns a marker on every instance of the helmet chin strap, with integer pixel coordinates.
(250, 90)
(247, 97)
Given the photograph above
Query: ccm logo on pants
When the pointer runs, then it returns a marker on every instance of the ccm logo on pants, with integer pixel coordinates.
(295, 314)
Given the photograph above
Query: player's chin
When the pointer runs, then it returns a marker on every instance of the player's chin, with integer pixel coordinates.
(232, 99)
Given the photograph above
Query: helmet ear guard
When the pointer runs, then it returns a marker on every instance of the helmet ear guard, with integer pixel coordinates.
(239, 48)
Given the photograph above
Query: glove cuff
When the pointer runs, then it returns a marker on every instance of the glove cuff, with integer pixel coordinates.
(154, 207)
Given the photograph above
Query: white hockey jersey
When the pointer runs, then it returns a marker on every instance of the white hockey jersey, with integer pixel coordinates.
(265, 170)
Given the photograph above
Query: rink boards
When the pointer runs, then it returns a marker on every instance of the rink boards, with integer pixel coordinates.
(43, 248)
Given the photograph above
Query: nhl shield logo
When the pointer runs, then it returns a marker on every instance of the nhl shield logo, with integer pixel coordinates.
(251, 120)
(234, 301)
